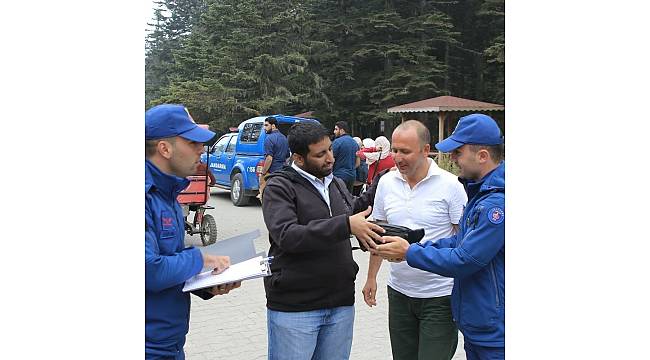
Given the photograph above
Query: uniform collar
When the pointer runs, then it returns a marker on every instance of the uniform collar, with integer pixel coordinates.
(169, 185)
(495, 179)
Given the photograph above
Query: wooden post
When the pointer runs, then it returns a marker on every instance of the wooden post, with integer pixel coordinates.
(441, 131)
(441, 125)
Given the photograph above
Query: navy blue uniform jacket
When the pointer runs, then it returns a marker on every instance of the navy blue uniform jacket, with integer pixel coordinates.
(167, 264)
(475, 258)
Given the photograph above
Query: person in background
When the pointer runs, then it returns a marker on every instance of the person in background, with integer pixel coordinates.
(276, 151)
(475, 256)
(173, 145)
(368, 143)
(361, 171)
(378, 157)
(345, 149)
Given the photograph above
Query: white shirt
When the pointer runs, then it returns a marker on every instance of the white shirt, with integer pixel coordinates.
(433, 204)
(321, 186)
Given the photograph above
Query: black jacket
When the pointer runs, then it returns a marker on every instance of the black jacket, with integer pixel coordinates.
(312, 266)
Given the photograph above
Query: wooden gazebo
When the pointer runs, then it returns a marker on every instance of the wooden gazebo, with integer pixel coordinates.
(444, 105)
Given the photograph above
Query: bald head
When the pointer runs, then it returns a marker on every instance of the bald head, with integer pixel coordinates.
(424, 136)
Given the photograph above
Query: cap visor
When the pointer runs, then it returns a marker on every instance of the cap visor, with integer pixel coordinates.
(198, 134)
(448, 145)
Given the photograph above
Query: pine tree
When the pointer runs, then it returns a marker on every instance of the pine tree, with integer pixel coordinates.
(246, 58)
(387, 53)
(173, 22)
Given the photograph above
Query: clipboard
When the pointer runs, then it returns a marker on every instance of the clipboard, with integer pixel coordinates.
(250, 269)
(239, 248)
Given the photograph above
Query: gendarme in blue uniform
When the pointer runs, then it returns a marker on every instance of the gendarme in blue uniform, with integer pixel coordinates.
(167, 264)
(475, 258)
(277, 146)
(345, 149)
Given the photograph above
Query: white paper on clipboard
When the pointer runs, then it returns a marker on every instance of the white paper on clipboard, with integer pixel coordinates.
(245, 270)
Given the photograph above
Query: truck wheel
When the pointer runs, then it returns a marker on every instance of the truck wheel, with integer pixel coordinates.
(237, 191)
(208, 230)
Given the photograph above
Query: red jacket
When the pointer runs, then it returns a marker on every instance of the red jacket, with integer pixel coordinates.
(378, 166)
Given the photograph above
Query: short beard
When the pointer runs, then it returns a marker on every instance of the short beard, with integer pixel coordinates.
(316, 171)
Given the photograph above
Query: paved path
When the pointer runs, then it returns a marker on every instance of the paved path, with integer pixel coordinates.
(234, 326)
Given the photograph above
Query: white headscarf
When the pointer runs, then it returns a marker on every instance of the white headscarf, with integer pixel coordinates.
(368, 142)
(358, 140)
(382, 142)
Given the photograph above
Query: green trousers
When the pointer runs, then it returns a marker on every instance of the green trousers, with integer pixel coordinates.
(421, 328)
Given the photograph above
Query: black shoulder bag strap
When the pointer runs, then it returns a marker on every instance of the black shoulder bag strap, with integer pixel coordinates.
(347, 203)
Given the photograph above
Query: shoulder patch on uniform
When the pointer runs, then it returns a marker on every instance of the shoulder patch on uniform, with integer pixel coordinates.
(496, 215)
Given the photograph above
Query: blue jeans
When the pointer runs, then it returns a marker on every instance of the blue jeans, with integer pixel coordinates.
(317, 334)
(476, 352)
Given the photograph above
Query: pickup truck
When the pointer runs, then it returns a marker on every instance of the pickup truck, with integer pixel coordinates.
(237, 158)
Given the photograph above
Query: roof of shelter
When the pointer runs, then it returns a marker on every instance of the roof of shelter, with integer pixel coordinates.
(446, 103)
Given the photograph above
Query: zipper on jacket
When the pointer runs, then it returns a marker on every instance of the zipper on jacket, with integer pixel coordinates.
(494, 281)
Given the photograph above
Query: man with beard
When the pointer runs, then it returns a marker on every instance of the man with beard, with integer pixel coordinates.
(276, 151)
(310, 215)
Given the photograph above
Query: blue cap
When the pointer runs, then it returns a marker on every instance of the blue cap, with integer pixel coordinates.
(475, 129)
(171, 120)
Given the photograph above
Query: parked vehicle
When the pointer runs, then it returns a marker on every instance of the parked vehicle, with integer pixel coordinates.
(195, 198)
(237, 158)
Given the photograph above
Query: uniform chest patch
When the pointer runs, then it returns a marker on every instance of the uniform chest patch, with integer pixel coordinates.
(496, 215)
(168, 228)
(167, 222)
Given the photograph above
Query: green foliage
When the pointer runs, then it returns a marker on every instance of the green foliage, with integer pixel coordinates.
(228, 60)
(444, 162)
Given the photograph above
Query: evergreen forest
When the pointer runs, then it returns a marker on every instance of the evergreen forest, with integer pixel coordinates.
(229, 60)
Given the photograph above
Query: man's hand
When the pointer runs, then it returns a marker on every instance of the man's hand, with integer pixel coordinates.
(224, 289)
(394, 248)
(218, 263)
(364, 230)
(370, 292)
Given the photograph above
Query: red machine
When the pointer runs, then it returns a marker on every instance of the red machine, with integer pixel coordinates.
(195, 198)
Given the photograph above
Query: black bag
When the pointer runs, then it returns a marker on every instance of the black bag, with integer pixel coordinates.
(412, 236)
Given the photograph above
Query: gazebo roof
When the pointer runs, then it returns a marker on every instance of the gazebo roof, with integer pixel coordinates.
(446, 103)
